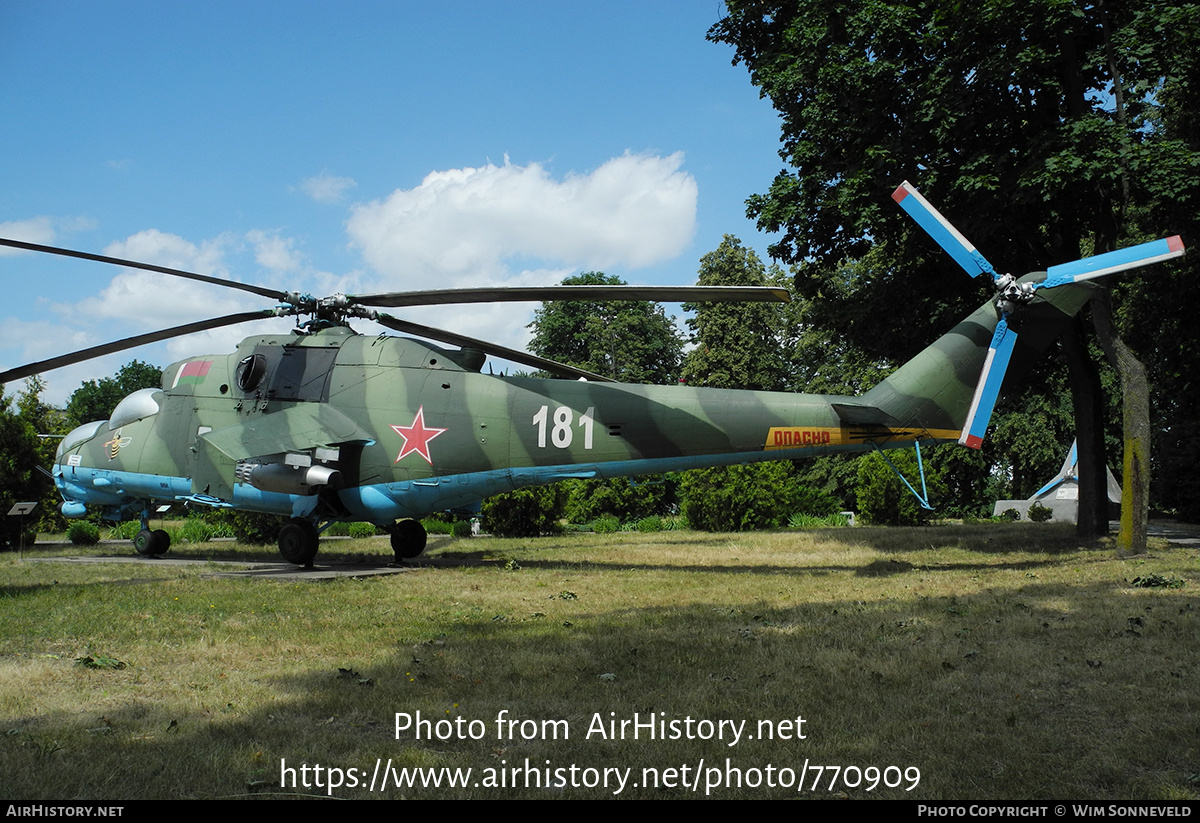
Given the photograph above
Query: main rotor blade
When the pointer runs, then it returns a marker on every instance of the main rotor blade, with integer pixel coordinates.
(1111, 262)
(134, 264)
(988, 390)
(669, 294)
(132, 342)
(939, 228)
(524, 358)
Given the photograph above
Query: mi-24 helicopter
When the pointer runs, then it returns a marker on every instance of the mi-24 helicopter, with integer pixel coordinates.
(327, 425)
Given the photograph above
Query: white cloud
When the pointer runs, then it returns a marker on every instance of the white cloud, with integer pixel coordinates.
(327, 188)
(465, 226)
(274, 252)
(150, 300)
(42, 230)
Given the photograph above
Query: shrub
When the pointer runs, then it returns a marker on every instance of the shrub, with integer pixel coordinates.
(124, 531)
(606, 524)
(738, 498)
(83, 533)
(525, 512)
(254, 527)
(1011, 515)
(650, 524)
(1039, 513)
(361, 530)
(195, 530)
(628, 498)
(883, 498)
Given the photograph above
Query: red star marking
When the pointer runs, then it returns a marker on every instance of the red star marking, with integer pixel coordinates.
(416, 437)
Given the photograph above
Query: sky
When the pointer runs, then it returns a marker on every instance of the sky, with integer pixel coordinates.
(356, 147)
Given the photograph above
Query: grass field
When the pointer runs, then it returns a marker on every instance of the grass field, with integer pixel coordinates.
(952, 662)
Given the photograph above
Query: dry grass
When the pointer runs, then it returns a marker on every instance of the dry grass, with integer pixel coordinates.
(1003, 661)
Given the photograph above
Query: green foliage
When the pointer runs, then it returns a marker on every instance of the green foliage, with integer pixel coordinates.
(649, 524)
(737, 345)
(739, 498)
(95, 400)
(83, 533)
(884, 500)
(1011, 515)
(46, 421)
(253, 527)
(19, 479)
(626, 498)
(361, 530)
(195, 530)
(528, 512)
(124, 531)
(1039, 513)
(810, 521)
(634, 342)
(1045, 130)
(606, 524)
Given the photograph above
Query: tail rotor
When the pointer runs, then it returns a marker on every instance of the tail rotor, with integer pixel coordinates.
(1013, 293)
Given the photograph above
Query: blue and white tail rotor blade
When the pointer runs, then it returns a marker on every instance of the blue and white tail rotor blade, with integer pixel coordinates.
(1111, 262)
(988, 390)
(939, 228)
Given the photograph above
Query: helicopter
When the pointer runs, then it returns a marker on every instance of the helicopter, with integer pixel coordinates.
(325, 425)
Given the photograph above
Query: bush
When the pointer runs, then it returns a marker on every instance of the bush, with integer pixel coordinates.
(525, 512)
(83, 533)
(1039, 513)
(361, 530)
(1011, 515)
(883, 498)
(606, 524)
(254, 527)
(627, 498)
(195, 530)
(125, 531)
(739, 498)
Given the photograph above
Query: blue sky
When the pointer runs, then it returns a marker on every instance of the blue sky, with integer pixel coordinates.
(356, 147)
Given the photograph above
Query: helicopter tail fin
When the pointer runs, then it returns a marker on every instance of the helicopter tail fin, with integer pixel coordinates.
(936, 391)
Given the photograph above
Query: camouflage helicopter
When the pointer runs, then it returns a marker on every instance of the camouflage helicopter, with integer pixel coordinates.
(327, 425)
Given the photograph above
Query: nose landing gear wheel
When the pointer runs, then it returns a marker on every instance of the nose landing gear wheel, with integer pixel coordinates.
(152, 543)
(408, 539)
(298, 542)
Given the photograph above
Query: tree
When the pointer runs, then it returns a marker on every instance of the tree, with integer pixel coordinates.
(19, 478)
(46, 422)
(1046, 129)
(633, 342)
(737, 345)
(95, 400)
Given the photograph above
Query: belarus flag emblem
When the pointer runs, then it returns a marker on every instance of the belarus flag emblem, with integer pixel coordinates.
(193, 372)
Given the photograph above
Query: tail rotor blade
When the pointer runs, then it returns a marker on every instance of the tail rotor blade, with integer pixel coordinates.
(999, 353)
(939, 228)
(1111, 262)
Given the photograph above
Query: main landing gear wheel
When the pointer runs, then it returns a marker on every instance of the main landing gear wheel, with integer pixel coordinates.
(408, 539)
(152, 543)
(298, 542)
